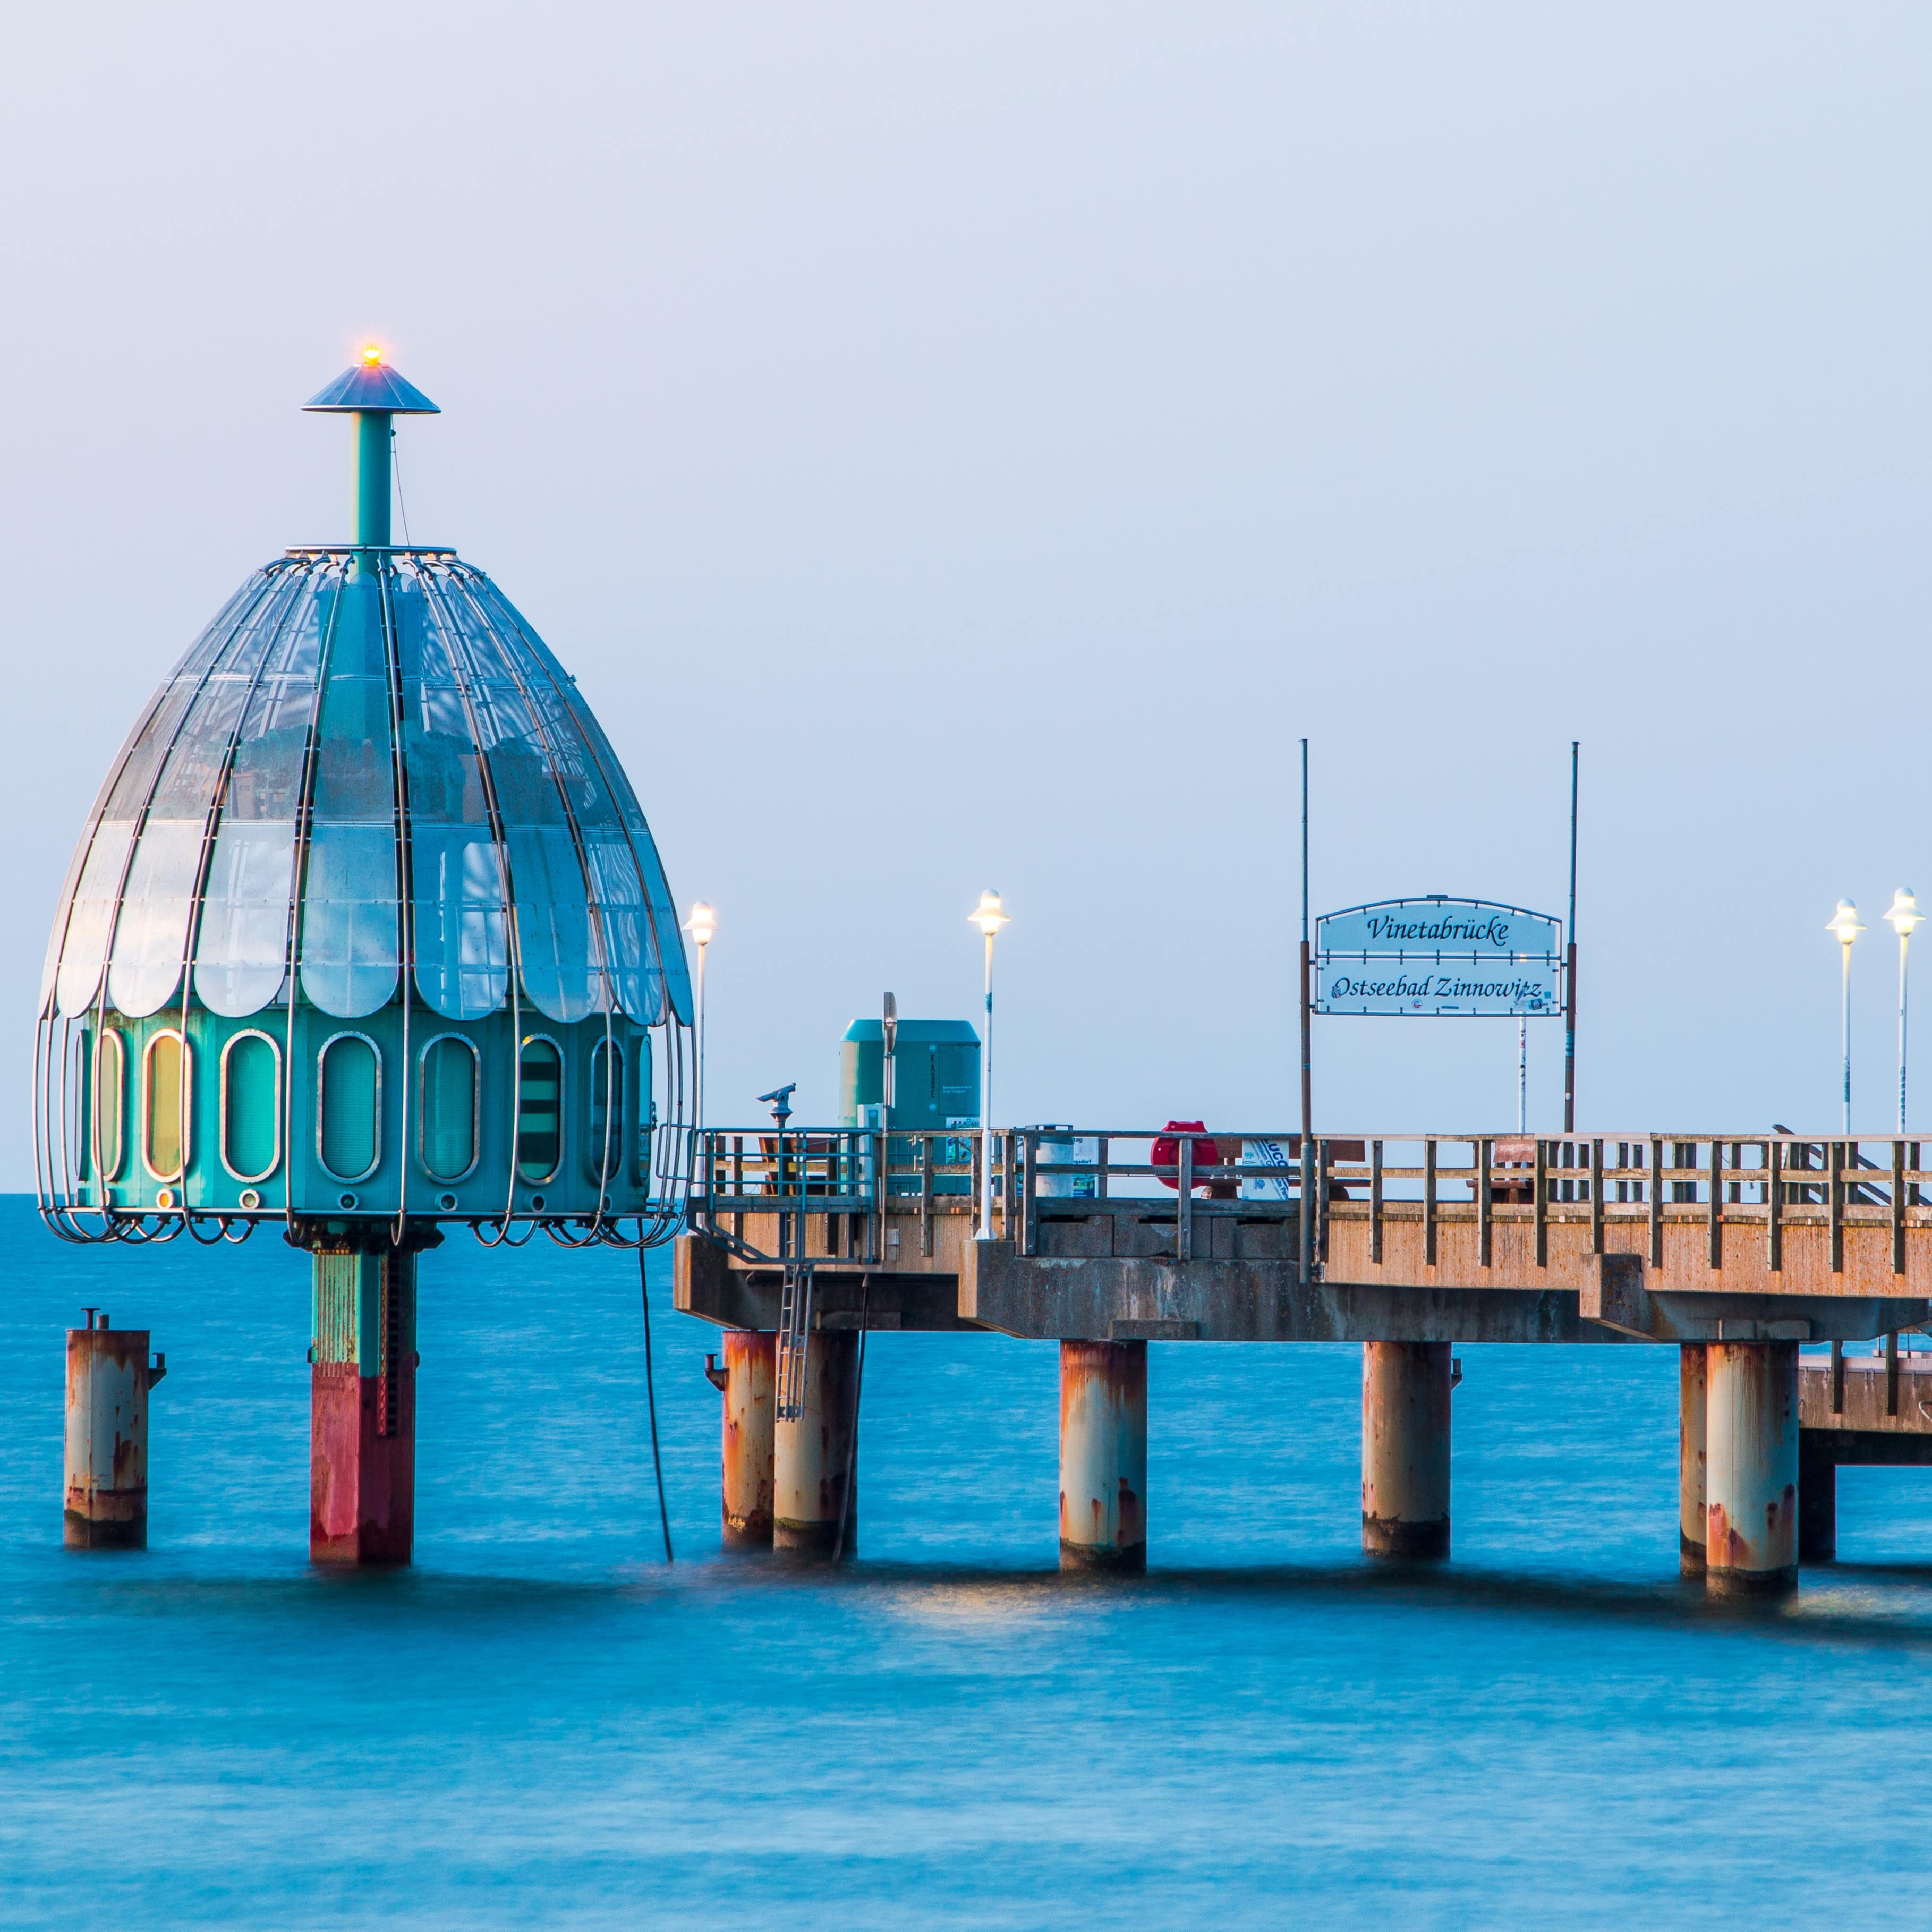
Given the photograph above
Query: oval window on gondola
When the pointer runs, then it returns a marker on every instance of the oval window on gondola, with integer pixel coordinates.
(604, 1142)
(349, 1134)
(251, 1106)
(109, 1137)
(447, 1108)
(539, 1110)
(167, 1101)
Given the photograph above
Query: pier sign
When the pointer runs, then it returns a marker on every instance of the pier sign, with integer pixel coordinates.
(1464, 959)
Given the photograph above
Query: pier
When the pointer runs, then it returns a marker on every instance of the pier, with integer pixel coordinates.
(1734, 1249)
(441, 986)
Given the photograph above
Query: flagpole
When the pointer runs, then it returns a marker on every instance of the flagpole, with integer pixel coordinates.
(1570, 969)
(1307, 1216)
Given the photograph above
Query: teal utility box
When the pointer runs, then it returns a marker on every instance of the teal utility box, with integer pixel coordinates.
(935, 1086)
(936, 1082)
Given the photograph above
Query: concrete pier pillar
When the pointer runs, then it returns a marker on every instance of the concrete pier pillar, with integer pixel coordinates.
(1405, 1448)
(749, 1355)
(362, 1409)
(1692, 1378)
(1103, 1455)
(810, 1452)
(108, 1379)
(1751, 1471)
(1817, 1502)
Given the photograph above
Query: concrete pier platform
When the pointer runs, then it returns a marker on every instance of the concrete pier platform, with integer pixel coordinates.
(1860, 1410)
(1736, 1250)
(1159, 1297)
(1876, 1404)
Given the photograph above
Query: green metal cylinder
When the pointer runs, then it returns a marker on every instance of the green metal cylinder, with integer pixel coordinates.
(372, 478)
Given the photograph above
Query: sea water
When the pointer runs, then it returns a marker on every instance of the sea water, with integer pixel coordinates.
(541, 1723)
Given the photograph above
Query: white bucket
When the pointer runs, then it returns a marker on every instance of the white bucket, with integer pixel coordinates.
(1064, 1149)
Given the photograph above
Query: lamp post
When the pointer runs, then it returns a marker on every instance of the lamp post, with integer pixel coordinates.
(1904, 918)
(701, 924)
(1844, 922)
(988, 916)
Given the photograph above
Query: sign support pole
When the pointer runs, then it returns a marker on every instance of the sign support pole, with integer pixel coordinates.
(1307, 1216)
(1570, 969)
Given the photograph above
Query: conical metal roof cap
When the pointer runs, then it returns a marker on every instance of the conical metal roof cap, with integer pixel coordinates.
(370, 385)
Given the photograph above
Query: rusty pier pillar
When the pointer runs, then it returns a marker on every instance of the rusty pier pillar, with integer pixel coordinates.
(1103, 1455)
(1405, 1448)
(1692, 1378)
(811, 1452)
(108, 1379)
(746, 1378)
(1817, 1501)
(362, 1408)
(1750, 1474)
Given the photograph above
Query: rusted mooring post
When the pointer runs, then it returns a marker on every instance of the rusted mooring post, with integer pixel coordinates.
(1751, 1471)
(1103, 1455)
(1405, 1438)
(108, 1379)
(746, 1379)
(1692, 1379)
(362, 1408)
(811, 1468)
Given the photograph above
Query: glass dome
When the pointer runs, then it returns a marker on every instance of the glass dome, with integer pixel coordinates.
(368, 792)
(250, 827)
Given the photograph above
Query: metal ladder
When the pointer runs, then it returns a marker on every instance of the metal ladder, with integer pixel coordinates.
(794, 1334)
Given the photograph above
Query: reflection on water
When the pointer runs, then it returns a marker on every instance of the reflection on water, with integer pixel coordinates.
(540, 1724)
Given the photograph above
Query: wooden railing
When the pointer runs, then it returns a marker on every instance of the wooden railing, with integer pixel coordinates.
(1737, 1188)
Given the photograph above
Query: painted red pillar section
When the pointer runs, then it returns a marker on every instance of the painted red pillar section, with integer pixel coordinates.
(362, 1415)
(1751, 1471)
(750, 1355)
(1405, 1448)
(1692, 1378)
(1103, 1401)
(810, 1452)
(108, 1379)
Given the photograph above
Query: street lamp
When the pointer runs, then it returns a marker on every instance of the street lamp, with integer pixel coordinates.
(1844, 922)
(701, 924)
(988, 916)
(1904, 918)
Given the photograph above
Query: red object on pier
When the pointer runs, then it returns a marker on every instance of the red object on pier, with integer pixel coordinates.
(1517, 1152)
(1167, 1150)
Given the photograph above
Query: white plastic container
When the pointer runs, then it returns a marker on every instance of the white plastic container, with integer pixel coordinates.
(1060, 1147)
(1277, 1184)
